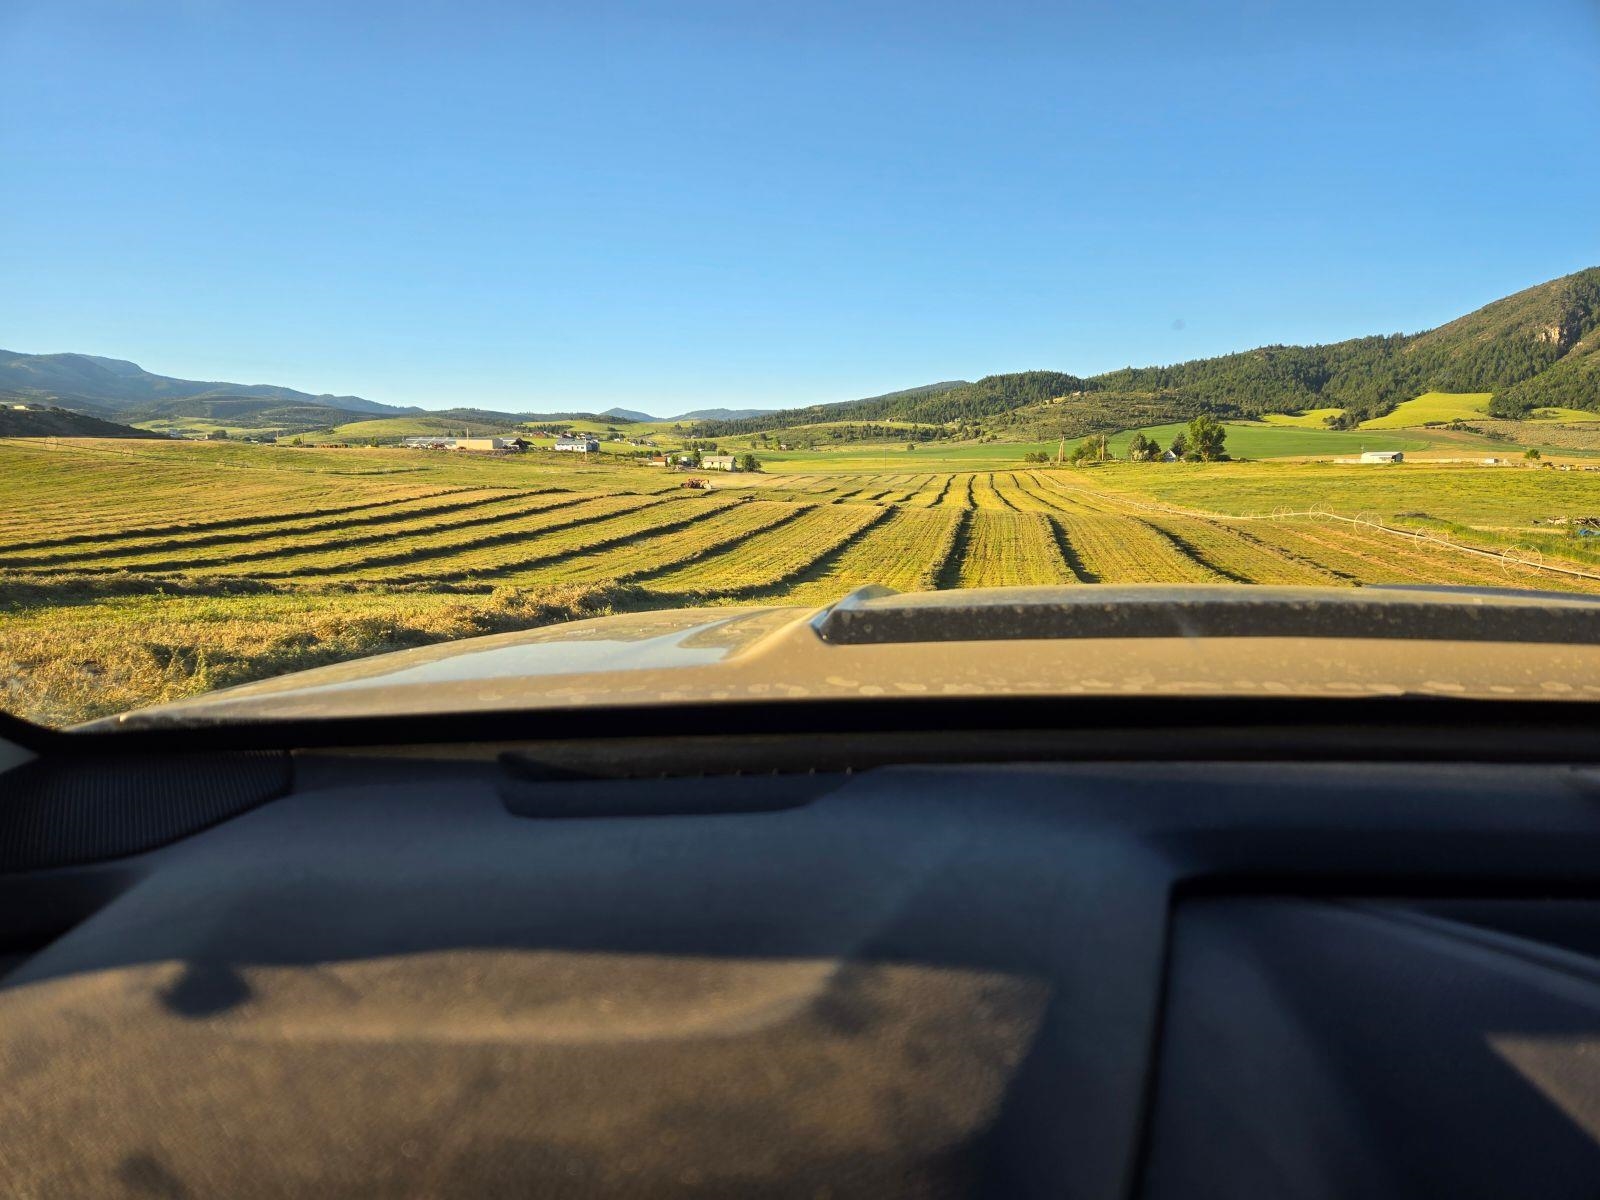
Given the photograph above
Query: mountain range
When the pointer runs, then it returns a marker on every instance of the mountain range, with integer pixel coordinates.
(113, 388)
(1535, 349)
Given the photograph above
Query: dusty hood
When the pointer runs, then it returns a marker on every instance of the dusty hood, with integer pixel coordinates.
(1114, 641)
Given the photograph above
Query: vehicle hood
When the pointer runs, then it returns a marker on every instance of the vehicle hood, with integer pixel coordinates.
(1102, 640)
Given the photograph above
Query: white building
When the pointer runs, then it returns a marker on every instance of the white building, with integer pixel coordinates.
(578, 443)
(717, 462)
(1382, 456)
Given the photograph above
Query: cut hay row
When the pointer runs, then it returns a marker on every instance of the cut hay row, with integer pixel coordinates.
(95, 493)
(170, 504)
(1070, 499)
(984, 496)
(773, 559)
(193, 532)
(1021, 497)
(1051, 498)
(1236, 556)
(1012, 549)
(932, 492)
(248, 540)
(906, 488)
(443, 552)
(661, 550)
(905, 552)
(296, 547)
(864, 491)
(604, 522)
(1112, 549)
(1303, 539)
(1222, 552)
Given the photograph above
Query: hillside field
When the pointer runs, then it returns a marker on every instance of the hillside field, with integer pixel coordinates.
(1433, 407)
(134, 572)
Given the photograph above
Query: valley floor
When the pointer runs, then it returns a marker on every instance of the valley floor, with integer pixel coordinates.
(132, 573)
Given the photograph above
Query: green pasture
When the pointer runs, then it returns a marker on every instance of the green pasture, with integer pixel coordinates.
(1311, 418)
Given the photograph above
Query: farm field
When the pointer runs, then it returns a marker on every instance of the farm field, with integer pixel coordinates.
(1433, 406)
(132, 573)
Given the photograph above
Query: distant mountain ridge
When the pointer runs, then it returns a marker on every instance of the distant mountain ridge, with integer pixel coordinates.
(699, 414)
(119, 390)
(1537, 348)
(115, 387)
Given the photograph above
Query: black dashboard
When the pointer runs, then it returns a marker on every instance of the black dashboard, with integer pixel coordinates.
(467, 972)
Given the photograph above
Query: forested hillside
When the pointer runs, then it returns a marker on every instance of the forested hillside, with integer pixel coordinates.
(1532, 349)
(953, 403)
(1537, 348)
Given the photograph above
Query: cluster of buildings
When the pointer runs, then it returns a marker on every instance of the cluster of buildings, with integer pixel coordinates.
(569, 443)
(514, 445)
(708, 462)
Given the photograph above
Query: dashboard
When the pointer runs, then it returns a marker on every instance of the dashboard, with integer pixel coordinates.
(474, 970)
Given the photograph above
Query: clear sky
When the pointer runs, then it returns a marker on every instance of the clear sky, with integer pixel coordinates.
(537, 206)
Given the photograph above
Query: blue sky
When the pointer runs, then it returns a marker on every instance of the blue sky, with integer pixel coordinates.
(664, 206)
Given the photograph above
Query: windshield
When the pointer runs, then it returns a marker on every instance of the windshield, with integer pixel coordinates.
(332, 333)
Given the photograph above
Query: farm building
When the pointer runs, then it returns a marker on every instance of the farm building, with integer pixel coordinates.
(717, 462)
(578, 443)
(659, 460)
(480, 444)
(1382, 456)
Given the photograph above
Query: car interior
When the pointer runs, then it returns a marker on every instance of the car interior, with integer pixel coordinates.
(1089, 947)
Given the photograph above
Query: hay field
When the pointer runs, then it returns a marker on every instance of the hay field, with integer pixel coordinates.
(132, 573)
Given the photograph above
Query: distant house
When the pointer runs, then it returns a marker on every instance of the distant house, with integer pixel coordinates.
(1168, 456)
(1382, 456)
(659, 460)
(482, 443)
(1494, 462)
(717, 462)
(578, 443)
